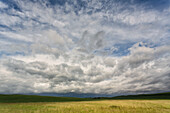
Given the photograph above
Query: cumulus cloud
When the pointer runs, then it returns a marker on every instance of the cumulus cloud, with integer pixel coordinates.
(140, 71)
(90, 42)
(95, 47)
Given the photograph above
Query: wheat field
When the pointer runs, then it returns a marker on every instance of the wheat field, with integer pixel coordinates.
(103, 106)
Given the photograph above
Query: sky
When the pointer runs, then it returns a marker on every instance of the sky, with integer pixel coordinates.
(84, 46)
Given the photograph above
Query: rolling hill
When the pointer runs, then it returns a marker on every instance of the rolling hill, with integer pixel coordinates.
(16, 98)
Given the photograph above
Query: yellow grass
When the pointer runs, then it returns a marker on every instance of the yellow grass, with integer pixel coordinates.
(104, 106)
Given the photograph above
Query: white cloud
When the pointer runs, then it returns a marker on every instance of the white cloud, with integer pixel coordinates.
(69, 50)
(16, 36)
(140, 71)
(9, 20)
(2, 5)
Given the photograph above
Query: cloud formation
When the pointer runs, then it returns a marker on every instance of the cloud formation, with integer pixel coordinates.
(84, 47)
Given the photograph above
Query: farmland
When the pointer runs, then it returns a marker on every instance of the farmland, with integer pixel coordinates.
(42, 104)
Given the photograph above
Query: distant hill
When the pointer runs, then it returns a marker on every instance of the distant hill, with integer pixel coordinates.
(35, 98)
(141, 96)
(72, 94)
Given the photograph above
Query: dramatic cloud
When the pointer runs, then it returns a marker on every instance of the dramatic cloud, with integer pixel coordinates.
(102, 47)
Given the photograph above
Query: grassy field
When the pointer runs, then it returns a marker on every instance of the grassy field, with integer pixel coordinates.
(104, 106)
(45, 104)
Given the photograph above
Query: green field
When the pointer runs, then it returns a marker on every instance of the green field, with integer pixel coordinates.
(44, 104)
